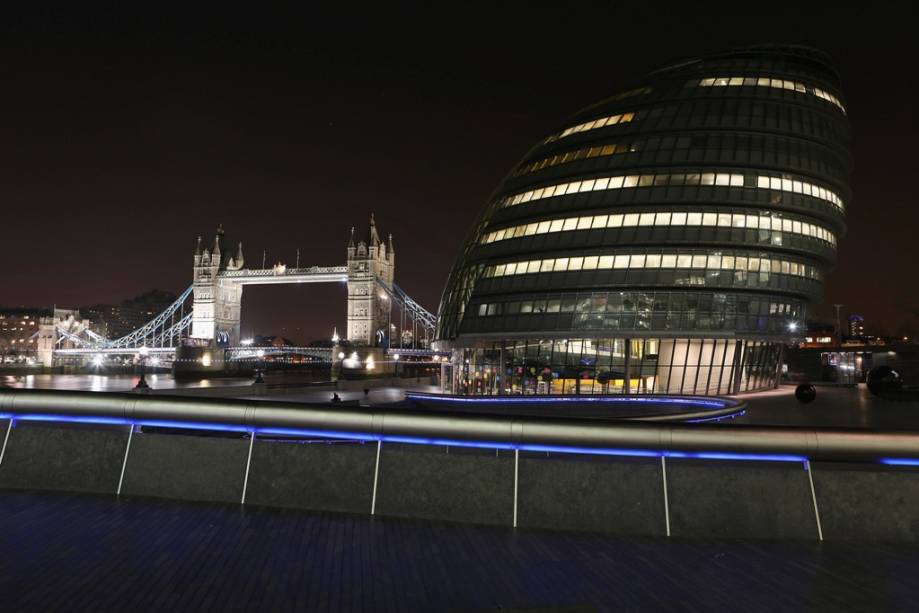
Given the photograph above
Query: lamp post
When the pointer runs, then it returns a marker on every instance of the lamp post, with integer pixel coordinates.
(260, 354)
(142, 383)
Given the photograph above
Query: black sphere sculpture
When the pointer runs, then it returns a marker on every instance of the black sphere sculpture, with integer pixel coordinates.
(883, 380)
(805, 393)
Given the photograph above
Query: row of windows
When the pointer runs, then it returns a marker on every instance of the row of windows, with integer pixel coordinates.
(597, 366)
(698, 261)
(694, 178)
(772, 223)
(742, 148)
(593, 125)
(767, 82)
(627, 302)
(740, 113)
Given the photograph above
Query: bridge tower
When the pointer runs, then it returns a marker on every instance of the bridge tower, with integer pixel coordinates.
(217, 300)
(371, 262)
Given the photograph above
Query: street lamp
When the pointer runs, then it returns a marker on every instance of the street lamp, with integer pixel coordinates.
(142, 383)
(260, 354)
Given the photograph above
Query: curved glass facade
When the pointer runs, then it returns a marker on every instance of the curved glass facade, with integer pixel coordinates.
(664, 240)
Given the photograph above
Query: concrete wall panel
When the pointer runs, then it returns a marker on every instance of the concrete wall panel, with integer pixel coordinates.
(46, 456)
(186, 467)
(622, 496)
(740, 499)
(463, 485)
(859, 502)
(317, 476)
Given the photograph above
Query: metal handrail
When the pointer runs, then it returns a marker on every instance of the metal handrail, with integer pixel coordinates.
(664, 438)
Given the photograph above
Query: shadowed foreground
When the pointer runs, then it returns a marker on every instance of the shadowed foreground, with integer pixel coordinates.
(81, 552)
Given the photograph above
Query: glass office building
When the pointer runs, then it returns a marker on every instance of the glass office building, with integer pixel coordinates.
(666, 239)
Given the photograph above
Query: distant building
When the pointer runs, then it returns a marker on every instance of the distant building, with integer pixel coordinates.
(856, 326)
(665, 239)
(19, 332)
(273, 341)
(116, 320)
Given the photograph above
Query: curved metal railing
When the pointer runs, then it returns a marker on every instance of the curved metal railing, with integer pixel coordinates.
(523, 433)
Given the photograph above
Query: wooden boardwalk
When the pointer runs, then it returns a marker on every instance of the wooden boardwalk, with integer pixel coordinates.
(68, 552)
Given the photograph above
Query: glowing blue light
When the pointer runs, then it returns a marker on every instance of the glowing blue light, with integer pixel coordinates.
(641, 453)
(601, 399)
(191, 425)
(900, 461)
(319, 433)
(722, 455)
(182, 425)
(88, 419)
(700, 420)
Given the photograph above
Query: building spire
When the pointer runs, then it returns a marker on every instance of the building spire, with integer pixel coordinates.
(351, 242)
(239, 255)
(389, 247)
(198, 246)
(373, 239)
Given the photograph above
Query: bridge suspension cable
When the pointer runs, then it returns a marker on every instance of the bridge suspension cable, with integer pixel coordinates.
(411, 309)
(164, 330)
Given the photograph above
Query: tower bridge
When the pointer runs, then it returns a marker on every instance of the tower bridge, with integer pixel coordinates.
(207, 314)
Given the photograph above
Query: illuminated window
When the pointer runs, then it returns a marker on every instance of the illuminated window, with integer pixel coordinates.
(773, 83)
(783, 184)
(593, 125)
(695, 261)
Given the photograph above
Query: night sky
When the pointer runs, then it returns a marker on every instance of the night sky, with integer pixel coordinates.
(124, 135)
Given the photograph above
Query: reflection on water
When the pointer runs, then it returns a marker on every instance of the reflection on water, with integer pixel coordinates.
(109, 383)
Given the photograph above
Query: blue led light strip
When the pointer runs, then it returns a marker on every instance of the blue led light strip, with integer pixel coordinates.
(719, 404)
(900, 461)
(398, 439)
(359, 436)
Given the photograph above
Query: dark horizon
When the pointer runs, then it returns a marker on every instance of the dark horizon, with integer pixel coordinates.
(126, 135)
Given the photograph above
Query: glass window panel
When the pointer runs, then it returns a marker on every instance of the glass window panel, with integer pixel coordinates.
(616, 182)
(601, 183)
(678, 219)
(698, 261)
(561, 264)
(584, 223)
(668, 261)
(709, 219)
(571, 223)
(557, 225)
(606, 262)
(653, 260)
(637, 261)
(683, 261)
(621, 261)
(590, 262)
(630, 219)
(694, 219)
(543, 227)
(630, 181)
(575, 263)
(646, 219)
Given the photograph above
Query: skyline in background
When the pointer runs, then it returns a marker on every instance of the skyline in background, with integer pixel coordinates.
(123, 136)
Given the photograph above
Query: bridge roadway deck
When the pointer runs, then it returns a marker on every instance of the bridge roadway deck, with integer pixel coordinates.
(69, 552)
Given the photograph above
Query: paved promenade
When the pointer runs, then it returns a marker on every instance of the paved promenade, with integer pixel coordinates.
(65, 552)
